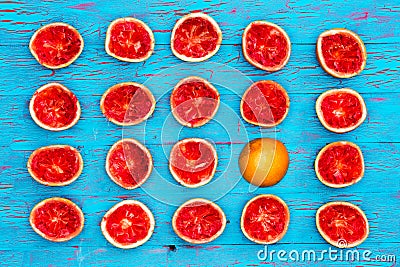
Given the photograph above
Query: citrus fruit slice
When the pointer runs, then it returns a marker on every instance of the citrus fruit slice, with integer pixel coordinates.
(265, 219)
(196, 37)
(129, 163)
(342, 224)
(57, 219)
(193, 162)
(340, 164)
(194, 101)
(266, 46)
(341, 110)
(341, 53)
(55, 165)
(199, 221)
(129, 39)
(56, 45)
(127, 104)
(128, 224)
(265, 103)
(53, 107)
(264, 162)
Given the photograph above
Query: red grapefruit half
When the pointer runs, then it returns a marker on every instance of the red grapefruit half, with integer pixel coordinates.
(129, 39)
(194, 101)
(199, 221)
(193, 162)
(57, 219)
(341, 53)
(266, 46)
(265, 219)
(265, 103)
(53, 107)
(129, 163)
(196, 37)
(128, 224)
(127, 104)
(55, 165)
(56, 45)
(340, 164)
(342, 224)
(341, 110)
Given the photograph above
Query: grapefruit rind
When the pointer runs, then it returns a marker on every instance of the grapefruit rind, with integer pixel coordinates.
(339, 143)
(175, 175)
(116, 86)
(68, 202)
(193, 241)
(320, 115)
(131, 60)
(116, 206)
(327, 238)
(37, 179)
(51, 25)
(196, 15)
(280, 236)
(255, 153)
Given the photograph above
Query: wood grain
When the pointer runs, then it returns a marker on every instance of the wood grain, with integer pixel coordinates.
(378, 193)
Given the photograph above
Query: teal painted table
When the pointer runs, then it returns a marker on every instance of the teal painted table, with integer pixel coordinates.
(378, 194)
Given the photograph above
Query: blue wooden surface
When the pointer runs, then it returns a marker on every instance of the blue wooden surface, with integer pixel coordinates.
(378, 194)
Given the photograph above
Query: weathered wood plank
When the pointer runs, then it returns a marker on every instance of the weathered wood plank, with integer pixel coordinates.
(16, 230)
(301, 124)
(20, 75)
(95, 71)
(375, 22)
(382, 164)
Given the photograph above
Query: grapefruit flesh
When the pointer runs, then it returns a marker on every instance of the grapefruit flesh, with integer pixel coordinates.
(265, 219)
(129, 163)
(55, 165)
(194, 101)
(341, 110)
(128, 224)
(127, 103)
(195, 37)
(129, 39)
(340, 164)
(342, 224)
(341, 53)
(199, 221)
(266, 45)
(57, 219)
(56, 45)
(193, 162)
(265, 103)
(54, 107)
